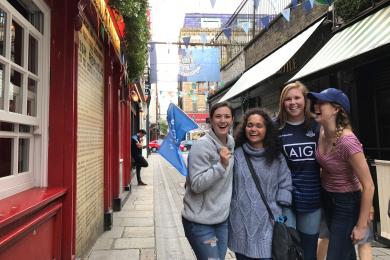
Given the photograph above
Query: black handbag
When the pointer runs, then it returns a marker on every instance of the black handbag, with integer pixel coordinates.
(286, 243)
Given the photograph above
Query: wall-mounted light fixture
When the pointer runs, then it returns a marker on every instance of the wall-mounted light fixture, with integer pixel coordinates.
(134, 96)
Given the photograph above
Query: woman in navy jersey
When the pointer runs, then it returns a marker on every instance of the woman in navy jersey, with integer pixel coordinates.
(344, 169)
(299, 137)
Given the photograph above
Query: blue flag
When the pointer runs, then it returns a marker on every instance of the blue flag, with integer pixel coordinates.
(179, 124)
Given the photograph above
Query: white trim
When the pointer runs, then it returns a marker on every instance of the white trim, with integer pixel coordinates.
(38, 138)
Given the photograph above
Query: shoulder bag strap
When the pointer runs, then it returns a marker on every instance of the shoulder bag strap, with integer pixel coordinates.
(257, 183)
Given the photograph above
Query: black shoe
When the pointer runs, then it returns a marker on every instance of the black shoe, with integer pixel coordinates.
(141, 183)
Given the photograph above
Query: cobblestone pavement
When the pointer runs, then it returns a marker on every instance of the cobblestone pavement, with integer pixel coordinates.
(149, 225)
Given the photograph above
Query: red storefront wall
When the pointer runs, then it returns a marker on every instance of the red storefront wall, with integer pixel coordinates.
(44, 218)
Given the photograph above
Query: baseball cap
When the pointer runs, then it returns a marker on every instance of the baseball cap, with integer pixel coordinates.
(332, 95)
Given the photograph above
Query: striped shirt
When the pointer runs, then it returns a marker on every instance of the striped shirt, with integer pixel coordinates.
(338, 175)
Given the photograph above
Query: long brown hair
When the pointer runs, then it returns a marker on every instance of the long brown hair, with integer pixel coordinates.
(282, 115)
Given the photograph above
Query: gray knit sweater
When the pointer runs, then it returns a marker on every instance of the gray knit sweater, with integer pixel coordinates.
(250, 228)
(208, 184)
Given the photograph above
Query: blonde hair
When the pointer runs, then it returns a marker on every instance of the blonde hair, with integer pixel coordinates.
(282, 115)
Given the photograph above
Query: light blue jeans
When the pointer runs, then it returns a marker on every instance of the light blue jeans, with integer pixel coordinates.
(209, 242)
(308, 226)
(308, 223)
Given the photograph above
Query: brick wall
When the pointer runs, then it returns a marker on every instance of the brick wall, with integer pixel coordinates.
(234, 68)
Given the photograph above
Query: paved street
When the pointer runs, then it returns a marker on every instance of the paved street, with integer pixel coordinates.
(149, 226)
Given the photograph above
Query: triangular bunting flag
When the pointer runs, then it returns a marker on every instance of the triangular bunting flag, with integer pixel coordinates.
(256, 4)
(286, 14)
(212, 3)
(309, 5)
(186, 40)
(203, 37)
(245, 27)
(265, 21)
(228, 32)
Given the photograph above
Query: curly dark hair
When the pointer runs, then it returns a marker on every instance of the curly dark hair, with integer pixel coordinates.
(271, 140)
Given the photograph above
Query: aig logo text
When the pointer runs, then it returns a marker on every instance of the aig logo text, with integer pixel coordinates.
(300, 151)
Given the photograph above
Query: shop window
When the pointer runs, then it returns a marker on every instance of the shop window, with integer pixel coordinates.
(24, 89)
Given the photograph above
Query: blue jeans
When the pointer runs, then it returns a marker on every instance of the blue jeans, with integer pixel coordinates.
(341, 214)
(243, 257)
(209, 242)
(308, 226)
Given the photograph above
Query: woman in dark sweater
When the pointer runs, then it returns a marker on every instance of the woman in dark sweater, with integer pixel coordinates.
(250, 227)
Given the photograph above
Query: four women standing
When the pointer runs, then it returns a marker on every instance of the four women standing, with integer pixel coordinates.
(211, 187)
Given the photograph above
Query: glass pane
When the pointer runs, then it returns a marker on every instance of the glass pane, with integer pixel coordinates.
(3, 19)
(30, 11)
(16, 43)
(32, 98)
(24, 146)
(33, 55)
(1, 86)
(15, 92)
(5, 157)
(6, 127)
(24, 128)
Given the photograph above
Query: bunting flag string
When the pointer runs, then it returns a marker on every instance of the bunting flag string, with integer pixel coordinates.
(245, 26)
(265, 21)
(309, 5)
(228, 32)
(186, 40)
(256, 4)
(286, 14)
(212, 2)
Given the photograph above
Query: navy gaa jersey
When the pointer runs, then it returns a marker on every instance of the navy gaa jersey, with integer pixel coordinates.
(299, 145)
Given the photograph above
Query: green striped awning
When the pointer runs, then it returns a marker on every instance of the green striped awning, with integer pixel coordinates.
(363, 36)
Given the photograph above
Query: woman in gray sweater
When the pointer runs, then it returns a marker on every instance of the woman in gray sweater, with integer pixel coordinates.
(209, 187)
(250, 227)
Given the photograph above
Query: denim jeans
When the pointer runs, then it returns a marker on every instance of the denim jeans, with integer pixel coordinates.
(308, 226)
(243, 257)
(209, 242)
(341, 213)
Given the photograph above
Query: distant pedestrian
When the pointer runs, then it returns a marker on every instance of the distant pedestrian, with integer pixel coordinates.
(136, 153)
(344, 168)
(299, 137)
(250, 226)
(209, 187)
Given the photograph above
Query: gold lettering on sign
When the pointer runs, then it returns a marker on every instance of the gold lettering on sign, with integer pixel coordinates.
(104, 14)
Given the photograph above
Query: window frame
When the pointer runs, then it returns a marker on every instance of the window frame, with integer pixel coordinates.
(37, 175)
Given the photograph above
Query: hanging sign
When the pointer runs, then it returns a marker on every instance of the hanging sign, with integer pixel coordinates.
(104, 14)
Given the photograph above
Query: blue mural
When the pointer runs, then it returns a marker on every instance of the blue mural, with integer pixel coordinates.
(199, 64)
